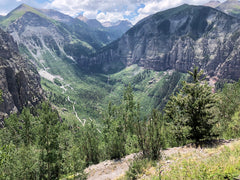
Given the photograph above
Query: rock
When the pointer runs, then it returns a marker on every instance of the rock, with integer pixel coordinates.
(19, 80)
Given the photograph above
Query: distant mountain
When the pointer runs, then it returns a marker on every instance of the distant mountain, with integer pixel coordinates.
(93, 23)
(116, 29)
(40, 31)
(53, 14)
(20, 82)
(119, 26)
(82, 18)
(118, 23)
(231, 7)
(213, 3)
(178, 39)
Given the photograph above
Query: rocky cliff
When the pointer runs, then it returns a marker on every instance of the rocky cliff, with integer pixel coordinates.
(19, 80)
(179, 39)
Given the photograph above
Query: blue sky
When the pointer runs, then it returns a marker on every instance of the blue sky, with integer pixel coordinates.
(102, 10)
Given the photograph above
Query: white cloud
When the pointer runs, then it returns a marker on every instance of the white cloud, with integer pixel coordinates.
(105, 10)
(112, 16)
(90, 14)
(3, 13)
(110, 8)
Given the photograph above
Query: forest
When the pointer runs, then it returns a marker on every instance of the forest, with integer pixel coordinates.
(39, 144)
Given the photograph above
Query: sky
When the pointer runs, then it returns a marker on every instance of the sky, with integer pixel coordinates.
(102, 10)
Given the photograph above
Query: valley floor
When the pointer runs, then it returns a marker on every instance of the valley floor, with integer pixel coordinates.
(172, 157)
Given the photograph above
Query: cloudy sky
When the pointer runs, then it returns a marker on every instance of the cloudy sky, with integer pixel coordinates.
(102, 10)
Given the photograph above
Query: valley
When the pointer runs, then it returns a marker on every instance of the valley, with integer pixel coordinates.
(76, 91)
(62, 76)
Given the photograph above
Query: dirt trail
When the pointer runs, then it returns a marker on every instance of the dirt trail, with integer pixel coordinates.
(110, 170)
(74, 110)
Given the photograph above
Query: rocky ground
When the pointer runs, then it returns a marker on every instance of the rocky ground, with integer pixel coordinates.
(114, 169)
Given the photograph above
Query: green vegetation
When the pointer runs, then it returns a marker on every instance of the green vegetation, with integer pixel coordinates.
(220, 163)
(39, 144)
(191, 110)
(137, 168)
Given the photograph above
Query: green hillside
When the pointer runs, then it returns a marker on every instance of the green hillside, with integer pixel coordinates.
(17, 13)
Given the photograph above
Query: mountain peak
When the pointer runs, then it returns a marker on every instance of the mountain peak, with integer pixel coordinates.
(82, 18)
(213, 3)
(17, 13)
(22, 7)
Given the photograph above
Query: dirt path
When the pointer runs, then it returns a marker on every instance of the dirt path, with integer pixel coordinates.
(75, 112)
(110, 170)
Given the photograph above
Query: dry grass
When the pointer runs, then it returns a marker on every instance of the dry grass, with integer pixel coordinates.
(222, 162)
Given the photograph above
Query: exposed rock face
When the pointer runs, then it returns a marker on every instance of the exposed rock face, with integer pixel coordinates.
(19, 80)
(177, 39)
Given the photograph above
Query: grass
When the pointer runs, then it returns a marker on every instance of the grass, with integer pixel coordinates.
(213, 163)
(217, 163)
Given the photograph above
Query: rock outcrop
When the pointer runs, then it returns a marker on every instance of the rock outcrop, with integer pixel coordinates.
(179, 39)
(19, 80)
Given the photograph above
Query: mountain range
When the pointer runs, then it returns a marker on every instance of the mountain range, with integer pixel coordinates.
(178, 39)
(85, 64)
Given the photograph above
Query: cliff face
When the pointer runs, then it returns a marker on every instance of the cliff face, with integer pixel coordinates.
(177, 39)
(19, 80)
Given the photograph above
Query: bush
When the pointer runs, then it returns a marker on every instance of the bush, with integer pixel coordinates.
(137, 167)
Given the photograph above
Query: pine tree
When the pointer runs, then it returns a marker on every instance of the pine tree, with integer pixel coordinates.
(50, 155)
(27, 120)
(191, 109)
(151, 138)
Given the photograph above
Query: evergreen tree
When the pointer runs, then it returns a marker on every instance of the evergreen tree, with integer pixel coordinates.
(151, 136)
(114, 132)
(27, 120)
(228, 105)
(89, 142)
(119, 125)
(50, 155)
(12, 130)
(191, 109)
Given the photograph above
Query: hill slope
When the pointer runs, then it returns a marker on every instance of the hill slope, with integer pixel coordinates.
(177, 163)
